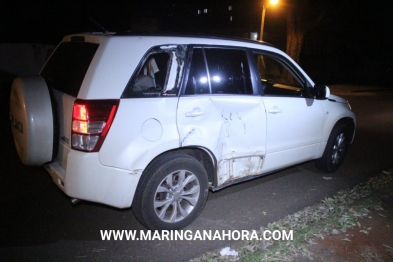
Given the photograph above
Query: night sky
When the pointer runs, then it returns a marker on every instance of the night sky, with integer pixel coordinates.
(44, 21)
(351, 31)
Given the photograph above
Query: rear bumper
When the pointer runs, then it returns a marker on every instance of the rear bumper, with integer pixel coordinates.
(87, 179)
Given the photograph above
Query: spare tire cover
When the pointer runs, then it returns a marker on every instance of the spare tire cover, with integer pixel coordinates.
(32, 120)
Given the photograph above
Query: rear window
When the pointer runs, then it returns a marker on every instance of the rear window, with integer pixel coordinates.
(68, 65)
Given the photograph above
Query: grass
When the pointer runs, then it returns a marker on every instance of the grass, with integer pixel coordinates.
(332, 215)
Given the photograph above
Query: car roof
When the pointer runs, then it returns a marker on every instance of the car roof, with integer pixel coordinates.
(200, 36)
(165, 36)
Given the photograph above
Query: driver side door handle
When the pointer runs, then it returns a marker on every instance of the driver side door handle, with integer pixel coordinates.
(274, 110)
(195, 112)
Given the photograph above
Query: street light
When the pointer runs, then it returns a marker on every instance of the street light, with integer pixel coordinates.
(264, 7)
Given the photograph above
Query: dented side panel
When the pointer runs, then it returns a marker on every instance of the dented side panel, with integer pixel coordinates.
(233, 127)
(235, 168)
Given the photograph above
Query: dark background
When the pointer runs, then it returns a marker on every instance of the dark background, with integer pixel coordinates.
(351, 44)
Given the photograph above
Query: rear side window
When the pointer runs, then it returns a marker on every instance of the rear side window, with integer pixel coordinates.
(219, 71)
(68, 65)
(151, 79)
(158, 74)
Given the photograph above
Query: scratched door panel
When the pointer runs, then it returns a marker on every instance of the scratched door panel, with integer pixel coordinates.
(231, 127)
(218, 111)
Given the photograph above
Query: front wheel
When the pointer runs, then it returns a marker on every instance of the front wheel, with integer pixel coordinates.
(171, 193)
(336, 149)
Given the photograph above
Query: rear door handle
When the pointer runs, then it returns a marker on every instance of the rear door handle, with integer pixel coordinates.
(274, 110)
(195, 112)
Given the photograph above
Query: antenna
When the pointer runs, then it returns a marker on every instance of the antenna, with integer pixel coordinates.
(103, 28)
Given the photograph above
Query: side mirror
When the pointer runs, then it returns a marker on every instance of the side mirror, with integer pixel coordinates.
(321, 92)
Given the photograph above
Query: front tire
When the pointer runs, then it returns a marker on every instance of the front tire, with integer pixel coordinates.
(336, 149)
(171, 193)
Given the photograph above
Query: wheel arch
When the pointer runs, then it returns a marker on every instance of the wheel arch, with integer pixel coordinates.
(334, 150)
(350, 122)
(203, 155)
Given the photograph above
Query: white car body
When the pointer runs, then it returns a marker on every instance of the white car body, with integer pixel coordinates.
(241, 136)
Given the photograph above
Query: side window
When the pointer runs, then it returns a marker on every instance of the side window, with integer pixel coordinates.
(198, 79)
(151, 77)
(219, 71)
(153, 72)
(229, 71)
(276, 78)
(159, 73)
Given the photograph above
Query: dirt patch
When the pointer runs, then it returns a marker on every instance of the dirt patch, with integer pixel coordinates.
(371, 240)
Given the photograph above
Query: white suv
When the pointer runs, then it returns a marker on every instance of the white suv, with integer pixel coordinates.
(156, 121)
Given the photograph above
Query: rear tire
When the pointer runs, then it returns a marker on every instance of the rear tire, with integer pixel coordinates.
(336, 149)
(171, 193)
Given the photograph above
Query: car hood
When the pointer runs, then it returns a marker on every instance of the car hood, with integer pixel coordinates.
(337, 99)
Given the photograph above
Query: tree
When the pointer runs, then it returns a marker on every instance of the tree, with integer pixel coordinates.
(301, 16)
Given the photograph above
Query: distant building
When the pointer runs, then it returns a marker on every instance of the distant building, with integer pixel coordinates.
(234, 18)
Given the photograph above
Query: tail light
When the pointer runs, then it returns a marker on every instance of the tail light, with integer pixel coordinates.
(91, 120)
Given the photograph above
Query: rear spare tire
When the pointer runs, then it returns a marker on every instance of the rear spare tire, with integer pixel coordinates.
(32, 120)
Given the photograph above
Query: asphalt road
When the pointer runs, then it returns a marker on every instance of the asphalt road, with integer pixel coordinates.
(38, 222)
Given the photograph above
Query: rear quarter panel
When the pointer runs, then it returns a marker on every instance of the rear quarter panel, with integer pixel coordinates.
(143, 128)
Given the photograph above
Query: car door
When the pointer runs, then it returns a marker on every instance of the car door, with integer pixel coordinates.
(294, 119)
(219, 112)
